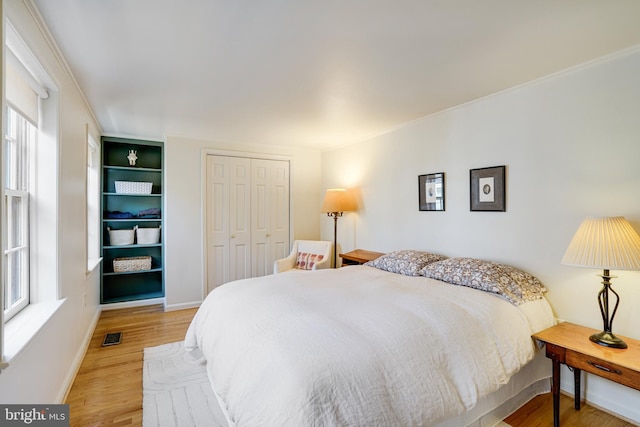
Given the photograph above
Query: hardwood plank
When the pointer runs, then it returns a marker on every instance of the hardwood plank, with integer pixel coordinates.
(108, 387)
(538, 412)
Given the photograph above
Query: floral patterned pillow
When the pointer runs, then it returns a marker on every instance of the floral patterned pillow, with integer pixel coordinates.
(306, 261)
(407, 262)
(513, 284)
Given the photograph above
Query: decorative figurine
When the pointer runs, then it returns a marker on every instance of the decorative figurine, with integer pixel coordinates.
(132, 157)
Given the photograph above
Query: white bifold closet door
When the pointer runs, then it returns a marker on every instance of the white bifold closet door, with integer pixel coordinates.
(247, 207)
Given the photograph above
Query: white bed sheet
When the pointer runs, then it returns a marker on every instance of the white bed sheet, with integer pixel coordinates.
(358, 346)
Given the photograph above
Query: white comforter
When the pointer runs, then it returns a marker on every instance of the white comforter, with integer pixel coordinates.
(358, 346)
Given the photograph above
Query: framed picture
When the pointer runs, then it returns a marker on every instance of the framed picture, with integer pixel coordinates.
(488, 189)
(431, 192)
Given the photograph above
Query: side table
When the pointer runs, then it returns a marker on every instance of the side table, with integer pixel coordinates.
(569, 343)
(359, 256)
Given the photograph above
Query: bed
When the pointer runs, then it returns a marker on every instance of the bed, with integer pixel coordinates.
(436, 342)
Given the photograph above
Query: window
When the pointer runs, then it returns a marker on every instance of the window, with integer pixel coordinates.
(20, 137)
(29, 183)
(93, 203)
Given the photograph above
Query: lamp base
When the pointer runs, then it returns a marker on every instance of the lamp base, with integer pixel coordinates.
(607, 339)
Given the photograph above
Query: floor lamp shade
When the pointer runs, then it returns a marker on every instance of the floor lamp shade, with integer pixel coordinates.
(608, 244)
(336, 201)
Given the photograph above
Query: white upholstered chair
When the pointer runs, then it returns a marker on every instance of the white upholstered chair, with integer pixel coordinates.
(306, 255)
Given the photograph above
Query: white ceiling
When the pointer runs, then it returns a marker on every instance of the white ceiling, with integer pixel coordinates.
(316, 73)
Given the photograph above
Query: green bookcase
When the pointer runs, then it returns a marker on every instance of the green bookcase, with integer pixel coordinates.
(126, 209)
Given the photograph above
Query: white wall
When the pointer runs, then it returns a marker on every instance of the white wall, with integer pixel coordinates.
(44, 369)
(571, 144)
(184, 234)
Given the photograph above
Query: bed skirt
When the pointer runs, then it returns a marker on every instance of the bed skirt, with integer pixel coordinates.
(532, 380)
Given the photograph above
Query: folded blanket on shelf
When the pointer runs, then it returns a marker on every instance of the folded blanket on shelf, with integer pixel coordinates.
(118, 215)
(149, 213)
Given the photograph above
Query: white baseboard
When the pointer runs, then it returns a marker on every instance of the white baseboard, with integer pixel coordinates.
(82, 350)
(182, 306)
(129, 304)
(77, 361)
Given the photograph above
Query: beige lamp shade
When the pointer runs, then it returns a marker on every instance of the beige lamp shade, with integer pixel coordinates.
(606, 243)
(338, 200)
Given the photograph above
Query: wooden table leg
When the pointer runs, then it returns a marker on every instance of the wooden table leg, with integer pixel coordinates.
(555, 391)
(576, 388)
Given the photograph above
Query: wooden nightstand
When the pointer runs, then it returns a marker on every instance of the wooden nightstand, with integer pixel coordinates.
(569, 344)
(359, 256)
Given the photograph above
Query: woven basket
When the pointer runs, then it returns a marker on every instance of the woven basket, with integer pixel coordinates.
(121, 237)
(148, 236)
(133, 187)
(138, 263)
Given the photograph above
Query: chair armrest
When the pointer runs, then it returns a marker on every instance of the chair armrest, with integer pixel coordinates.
(284, 264)
(325, 263)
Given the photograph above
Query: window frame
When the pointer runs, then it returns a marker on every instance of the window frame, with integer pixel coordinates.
(44, 178)
(93, 203)
(22, 249)
(19, 139)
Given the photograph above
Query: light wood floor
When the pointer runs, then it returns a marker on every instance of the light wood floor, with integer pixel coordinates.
(108, 387)
(539, 413)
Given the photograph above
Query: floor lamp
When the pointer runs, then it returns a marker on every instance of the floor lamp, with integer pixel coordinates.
(607, 244)
(336, 201)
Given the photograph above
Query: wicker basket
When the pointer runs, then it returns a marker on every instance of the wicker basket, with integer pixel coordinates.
(138, 263)
(148, 236)
(133, 187)
(121, 237)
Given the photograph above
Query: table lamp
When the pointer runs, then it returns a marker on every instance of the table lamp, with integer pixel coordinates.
(610, 244)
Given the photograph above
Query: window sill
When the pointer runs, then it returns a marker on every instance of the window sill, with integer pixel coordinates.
(24, 326)
(92, 264)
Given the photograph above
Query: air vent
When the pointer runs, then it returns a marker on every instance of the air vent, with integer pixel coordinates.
(112, 338)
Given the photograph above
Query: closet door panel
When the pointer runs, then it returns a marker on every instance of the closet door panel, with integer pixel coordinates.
(217, 223)
(240, 226)
(279, 211)
(260, 217)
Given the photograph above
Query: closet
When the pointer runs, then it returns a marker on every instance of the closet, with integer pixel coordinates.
(247, 217)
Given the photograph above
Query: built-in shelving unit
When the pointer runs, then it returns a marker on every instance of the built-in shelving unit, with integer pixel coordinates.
(124, 211)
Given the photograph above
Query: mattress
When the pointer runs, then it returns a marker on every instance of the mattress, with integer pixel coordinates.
(359, 346)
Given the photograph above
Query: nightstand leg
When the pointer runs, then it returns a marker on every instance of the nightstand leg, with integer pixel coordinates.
(576, 388)
(555, 391)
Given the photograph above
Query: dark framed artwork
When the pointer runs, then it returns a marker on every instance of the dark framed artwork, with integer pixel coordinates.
(431, 192)
(488, 189)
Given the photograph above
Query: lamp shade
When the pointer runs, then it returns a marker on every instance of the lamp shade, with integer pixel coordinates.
(337, 200)
(607, 243)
